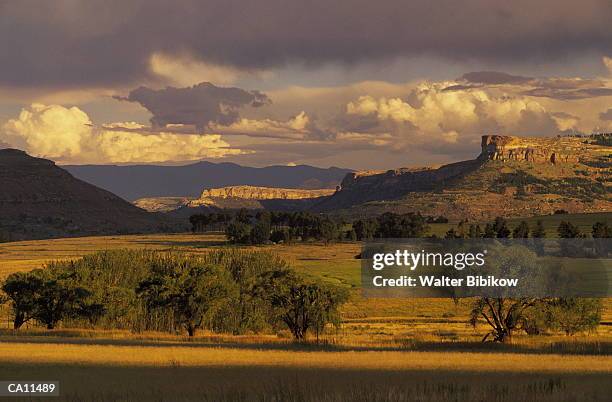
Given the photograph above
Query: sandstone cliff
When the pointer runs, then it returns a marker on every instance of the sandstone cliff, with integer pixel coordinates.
(210, 196)
(512, 176)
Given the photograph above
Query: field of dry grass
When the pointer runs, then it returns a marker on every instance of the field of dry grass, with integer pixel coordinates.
(386, 349)
(105, 369)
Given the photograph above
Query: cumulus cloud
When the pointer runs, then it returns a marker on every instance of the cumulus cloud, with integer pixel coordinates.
(432, 116)
(606, 116)
(68, 135)
(298, 127)
(199, 105)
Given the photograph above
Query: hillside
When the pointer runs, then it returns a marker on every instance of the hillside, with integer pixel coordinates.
(140, 181)
(40, 200)
(512, 176)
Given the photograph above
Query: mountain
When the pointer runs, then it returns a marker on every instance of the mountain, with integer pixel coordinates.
(512, 176)
(40, 200)
(140, 181)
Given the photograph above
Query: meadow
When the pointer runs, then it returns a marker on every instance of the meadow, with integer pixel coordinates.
(385, 349)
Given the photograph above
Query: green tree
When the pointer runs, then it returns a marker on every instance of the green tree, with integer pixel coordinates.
(601, 230)
(568, 230)
(573, 315)
(59, 296)
(365, 229)
(193, 290)
(302, 305)
(501, 228)
(475, 232)
(260, 233)
(22, 289)
(521, 231)
(489, 232)
(238, 233)
(539, 232)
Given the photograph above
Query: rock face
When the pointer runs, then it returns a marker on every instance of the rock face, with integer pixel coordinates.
(209, 196)
(40, 200)
(538, 150)
(512, 176)
(161, 204)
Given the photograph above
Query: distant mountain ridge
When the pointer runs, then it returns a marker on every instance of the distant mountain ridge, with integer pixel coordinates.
(40, 200)
(145, 181)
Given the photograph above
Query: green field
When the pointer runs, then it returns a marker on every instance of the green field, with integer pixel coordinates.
(385, 349)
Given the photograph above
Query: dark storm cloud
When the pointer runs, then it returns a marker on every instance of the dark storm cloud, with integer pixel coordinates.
(555, 88)
(582, 90)
(198, 105)
(66, 43)
(607, 115)
(494, 78)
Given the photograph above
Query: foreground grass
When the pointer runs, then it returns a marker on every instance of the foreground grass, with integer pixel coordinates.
(158, 371)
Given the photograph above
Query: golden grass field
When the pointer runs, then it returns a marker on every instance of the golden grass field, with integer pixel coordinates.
(386, 349)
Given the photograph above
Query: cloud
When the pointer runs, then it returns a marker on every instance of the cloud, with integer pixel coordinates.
(298, 127)
(183, 69)
(608, 63)
(110, 43)
(49, 131)
(607, 115)
(199, 105)
(68, 135)
(562, 88)
(445, 121)
(494, 77)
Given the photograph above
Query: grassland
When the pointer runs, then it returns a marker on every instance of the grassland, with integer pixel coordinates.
(386, 349)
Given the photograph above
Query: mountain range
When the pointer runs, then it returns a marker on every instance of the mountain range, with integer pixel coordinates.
(142, 181)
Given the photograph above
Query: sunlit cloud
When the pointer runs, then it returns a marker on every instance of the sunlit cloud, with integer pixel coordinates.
(68, 135)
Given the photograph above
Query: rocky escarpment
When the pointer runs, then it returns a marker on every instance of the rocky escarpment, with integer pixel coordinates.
(539, 150)
(512, 176)
(211, 196)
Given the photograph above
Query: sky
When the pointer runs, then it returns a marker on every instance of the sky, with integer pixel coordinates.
(348, 83)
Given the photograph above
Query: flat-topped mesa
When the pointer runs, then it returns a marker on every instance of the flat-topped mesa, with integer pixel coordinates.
(529, 149)
(257, 193)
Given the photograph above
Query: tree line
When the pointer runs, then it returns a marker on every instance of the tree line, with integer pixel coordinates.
(230, 290)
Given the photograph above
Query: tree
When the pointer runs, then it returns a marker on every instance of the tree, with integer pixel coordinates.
(302, 305)
(502, 312)
(521, 231)
(568, 230)
(503, 315)
(475, 232)
(327, 231)
(500, 226)
(22, 289)
(573, 315)
(190, 288)
(601, 230)
(489, 232)
(365, 229)
(260, 233)
(539, 232)
(238, 232)
(47, 295)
